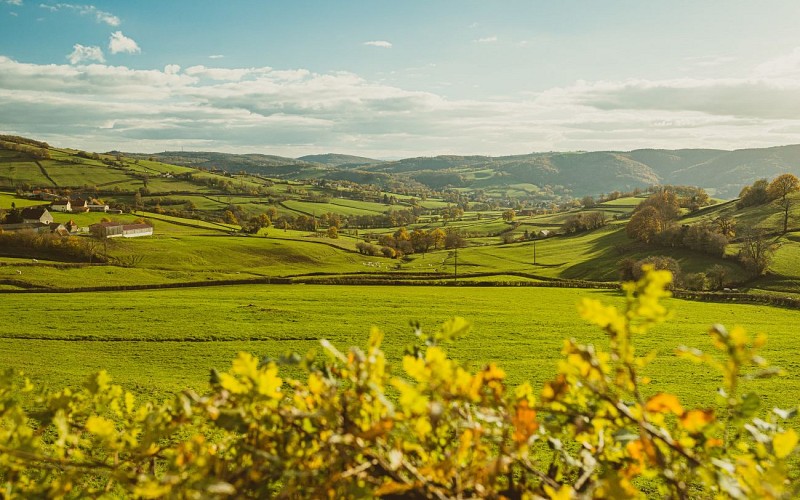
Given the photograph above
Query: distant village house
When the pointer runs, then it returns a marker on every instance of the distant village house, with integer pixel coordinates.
(32, 215)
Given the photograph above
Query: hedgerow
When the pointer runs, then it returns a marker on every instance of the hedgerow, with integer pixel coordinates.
(355, 426)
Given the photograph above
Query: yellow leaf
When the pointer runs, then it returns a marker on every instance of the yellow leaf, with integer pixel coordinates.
(694, 420)
(315, 384)
(784, 443)
(663, 402)
(100, 426)
(524, 421)
(245, 364)
(564, 493)
(393, 488)
(268, 382)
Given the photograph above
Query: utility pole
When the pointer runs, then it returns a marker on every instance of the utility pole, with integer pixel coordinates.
(534, 251)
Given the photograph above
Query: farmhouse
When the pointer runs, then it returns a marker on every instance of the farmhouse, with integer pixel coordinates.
(98, 207)
(36, 214)
(79, 205)
(61, 206)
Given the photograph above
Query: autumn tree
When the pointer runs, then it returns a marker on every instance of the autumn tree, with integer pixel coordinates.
(653, 216)
(421, 241)
(756, 251)
(644, 225)
(509, 215)
(780, 189)
(230, 218)
(753, 195)
(437, 236)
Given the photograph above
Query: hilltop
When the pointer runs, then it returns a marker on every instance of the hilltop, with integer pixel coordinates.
(721, 172)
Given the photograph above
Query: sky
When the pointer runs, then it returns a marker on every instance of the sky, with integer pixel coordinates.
(389, 79)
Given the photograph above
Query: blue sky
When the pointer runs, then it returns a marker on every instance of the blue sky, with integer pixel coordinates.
(390, 79)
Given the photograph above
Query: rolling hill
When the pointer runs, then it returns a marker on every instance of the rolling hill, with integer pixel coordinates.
(564, 173)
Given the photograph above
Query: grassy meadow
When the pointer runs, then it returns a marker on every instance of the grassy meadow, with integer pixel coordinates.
(161, 341)
(156, 342)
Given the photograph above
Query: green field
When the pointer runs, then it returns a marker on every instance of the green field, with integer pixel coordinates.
(155, 342)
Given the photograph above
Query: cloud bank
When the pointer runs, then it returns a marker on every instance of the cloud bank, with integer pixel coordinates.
(95, 106)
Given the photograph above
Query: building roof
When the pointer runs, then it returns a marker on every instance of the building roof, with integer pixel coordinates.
(106, 224)
(61, 202)
(33, 212)
(128, 227)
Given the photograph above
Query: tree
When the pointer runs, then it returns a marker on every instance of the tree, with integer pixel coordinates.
(653, 216)
(421, 241)
(333, 232)
(437, 236)
(644, 225)
(454, 239)
(509, 215)
(137, 200)
(756, 251)
(588, 202)
(780, 189)
(717, 276)
(753, 195)
(782, 186)
(726, 226)
(230, 218)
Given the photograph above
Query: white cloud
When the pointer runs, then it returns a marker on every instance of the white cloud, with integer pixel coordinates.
(118, 42)
(295, 111)
(85, 10)
(488, 39)
(783, 66)
(82, 53)
(216, 56)
(379, 43)
(17, 3)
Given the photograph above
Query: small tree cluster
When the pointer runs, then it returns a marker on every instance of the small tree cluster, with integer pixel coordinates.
(256, 224)
(753, 195)
(653, 216)
(703, 238)
(584, 222)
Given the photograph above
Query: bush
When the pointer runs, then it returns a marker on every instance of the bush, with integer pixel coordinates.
(658, 262)
(353, 428)
(696, 281)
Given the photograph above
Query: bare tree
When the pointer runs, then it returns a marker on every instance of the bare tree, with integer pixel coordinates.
(756, 251)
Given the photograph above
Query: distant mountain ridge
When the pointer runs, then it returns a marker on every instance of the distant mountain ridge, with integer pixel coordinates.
(574, 173)
(339, 160)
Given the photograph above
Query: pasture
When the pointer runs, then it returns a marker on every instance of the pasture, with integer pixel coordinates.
(161, 341)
